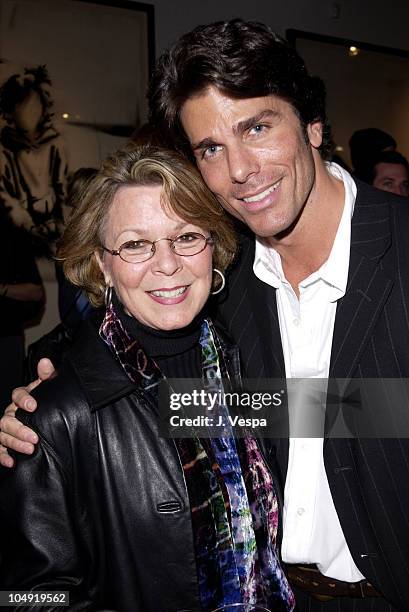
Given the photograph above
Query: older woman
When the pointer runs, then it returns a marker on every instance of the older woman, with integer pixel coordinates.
(106, 508)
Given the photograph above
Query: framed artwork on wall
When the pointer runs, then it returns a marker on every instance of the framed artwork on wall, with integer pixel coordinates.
(367, 86)
(73, 80)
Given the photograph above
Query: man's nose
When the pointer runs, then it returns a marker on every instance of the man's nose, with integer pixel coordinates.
(242, 164)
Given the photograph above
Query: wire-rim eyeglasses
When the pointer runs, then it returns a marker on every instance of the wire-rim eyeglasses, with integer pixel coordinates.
(138, 251)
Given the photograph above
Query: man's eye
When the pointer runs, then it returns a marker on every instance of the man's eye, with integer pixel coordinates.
(258, 129)
(211, 151)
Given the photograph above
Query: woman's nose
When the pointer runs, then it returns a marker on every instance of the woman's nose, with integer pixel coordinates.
(165, 260)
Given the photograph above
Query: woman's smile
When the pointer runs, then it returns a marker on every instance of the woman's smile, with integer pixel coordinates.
(174, 295)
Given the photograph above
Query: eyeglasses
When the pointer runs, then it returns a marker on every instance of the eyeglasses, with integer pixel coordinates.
(137, 251)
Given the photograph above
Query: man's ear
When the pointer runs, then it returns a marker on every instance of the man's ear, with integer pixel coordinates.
(102, 266)
(314, 131)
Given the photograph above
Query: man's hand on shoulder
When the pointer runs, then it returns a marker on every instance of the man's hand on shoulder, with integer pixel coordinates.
(13, 434)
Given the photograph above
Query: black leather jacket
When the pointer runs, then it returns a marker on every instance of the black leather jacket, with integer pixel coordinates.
(107, 517)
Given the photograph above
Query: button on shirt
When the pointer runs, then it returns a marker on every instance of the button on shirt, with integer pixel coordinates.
(312, 532)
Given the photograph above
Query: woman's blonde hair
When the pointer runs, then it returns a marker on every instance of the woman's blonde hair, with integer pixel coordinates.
(185, 194)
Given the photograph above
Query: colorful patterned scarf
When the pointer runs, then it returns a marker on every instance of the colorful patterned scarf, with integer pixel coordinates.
(232, 500)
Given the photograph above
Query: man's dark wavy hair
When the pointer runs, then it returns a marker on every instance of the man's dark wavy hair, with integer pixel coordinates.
(243, 59)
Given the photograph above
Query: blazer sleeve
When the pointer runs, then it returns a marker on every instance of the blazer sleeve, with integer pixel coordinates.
(47, 538)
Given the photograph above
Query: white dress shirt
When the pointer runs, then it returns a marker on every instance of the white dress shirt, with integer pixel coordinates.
(311, 529)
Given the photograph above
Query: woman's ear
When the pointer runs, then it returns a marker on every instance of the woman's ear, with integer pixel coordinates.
(103, 266)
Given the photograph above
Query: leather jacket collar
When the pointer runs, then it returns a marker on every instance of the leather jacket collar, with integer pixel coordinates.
(94, 364)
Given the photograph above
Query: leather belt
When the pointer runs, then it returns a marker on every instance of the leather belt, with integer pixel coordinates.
(309, 579)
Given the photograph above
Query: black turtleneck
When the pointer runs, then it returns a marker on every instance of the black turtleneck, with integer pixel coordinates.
(176, 352)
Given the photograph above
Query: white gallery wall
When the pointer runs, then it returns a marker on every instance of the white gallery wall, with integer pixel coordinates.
(373, 21)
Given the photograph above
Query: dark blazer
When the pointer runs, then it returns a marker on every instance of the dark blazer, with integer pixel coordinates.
(369, 478)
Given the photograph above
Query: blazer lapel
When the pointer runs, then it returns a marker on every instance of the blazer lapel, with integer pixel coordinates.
(268, 328)
(368, 286)
(250, 316)
(255, 316)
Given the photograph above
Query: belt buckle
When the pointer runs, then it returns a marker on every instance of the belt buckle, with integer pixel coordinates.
(322, 598)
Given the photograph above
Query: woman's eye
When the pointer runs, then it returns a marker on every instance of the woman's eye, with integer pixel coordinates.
(186, 238)
(135, 245)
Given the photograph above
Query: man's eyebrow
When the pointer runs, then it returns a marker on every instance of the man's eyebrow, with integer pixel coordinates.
(202, 144)
(241, 127)
(246, 124)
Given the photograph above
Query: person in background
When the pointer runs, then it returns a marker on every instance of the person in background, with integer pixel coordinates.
(77, 183)
(73, 304)
(21, 302)
(390, 172)
(107, 509)
(364, 145)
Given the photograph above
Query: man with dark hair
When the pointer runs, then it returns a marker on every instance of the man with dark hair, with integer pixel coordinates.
(364, 145)
(318, 292)
(389, 171)
(212, 56)
(308, 297)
